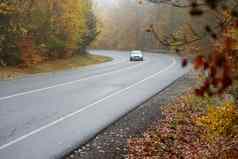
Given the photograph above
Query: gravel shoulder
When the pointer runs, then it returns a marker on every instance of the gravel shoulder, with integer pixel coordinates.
(112, 142)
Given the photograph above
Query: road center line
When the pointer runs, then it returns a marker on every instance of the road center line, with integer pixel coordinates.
(84, 108)
(69, 83)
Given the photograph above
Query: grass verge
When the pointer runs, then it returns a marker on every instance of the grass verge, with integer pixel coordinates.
(77, 61)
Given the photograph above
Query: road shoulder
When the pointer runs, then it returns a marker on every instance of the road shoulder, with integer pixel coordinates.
(53, 66)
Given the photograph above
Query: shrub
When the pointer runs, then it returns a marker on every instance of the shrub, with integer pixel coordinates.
(220, 121)
(56, 47)
(10, 57)
(56, 43)
(234, 89)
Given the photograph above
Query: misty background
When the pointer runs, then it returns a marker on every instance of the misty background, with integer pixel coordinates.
(122, 24)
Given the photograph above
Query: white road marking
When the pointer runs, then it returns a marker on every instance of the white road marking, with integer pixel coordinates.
(68, 83)
(84, 108)
(90, 66)
(85, 67)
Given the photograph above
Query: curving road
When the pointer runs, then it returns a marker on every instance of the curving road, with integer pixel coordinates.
(43, 116)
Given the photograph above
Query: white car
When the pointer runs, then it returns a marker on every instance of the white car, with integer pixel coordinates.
(136, 55)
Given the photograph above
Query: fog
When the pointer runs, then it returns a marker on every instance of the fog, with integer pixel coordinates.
(123, 23)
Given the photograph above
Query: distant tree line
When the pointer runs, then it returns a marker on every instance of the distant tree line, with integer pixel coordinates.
(33, 31)
(122, 24)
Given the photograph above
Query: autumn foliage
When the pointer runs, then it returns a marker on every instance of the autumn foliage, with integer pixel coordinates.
(191, 128)
(220, 121)
(219, 62)
(221, 65)
(29, 55)
(33, 31)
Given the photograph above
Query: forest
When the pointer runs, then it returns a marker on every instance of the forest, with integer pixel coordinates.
(32, 31)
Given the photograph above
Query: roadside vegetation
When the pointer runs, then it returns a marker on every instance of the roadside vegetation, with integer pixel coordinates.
(73, 62)
(41, 32)
(191, 127)
(204, 122)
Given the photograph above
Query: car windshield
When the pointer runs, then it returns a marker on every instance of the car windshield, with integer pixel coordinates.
(136, 53)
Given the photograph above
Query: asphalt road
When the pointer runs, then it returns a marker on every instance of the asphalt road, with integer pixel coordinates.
(44, 116)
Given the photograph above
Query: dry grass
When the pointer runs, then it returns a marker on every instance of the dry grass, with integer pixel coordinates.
(53, 66)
